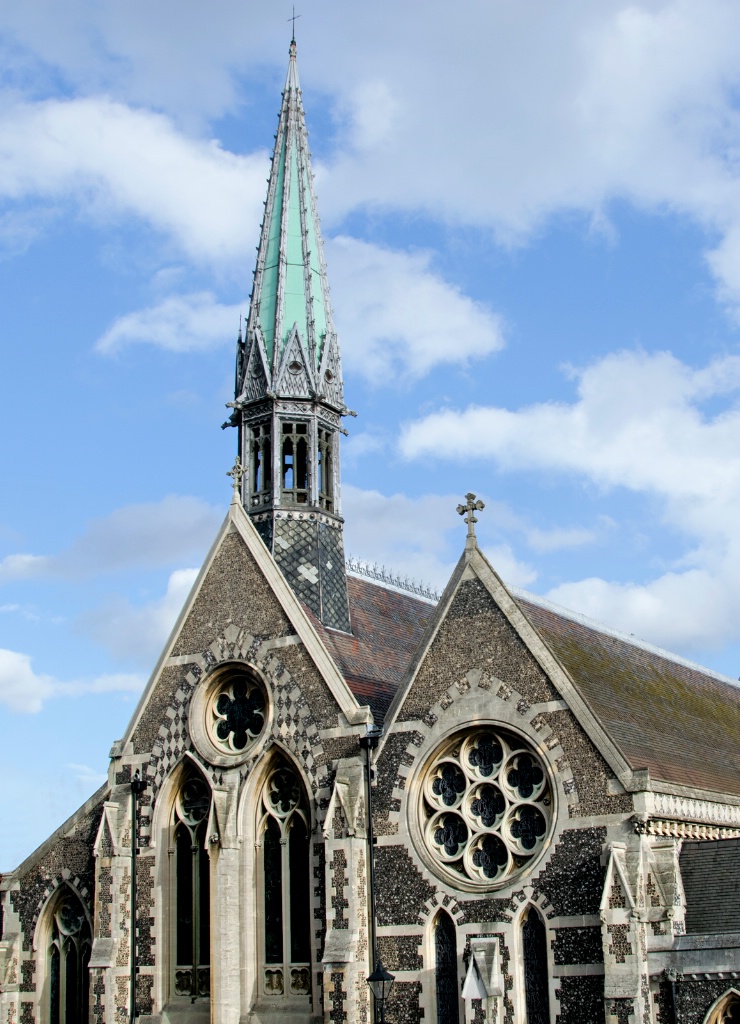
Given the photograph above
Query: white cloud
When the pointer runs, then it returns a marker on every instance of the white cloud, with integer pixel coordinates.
(147, 534)
(203, 198)
(417, 537)
(398, 318)
(180, 323)
(23, 689)
(136, 634)
(639, 422)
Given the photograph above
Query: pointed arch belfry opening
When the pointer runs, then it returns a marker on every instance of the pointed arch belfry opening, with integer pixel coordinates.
(284, 902)
(534, 959)
(67, 958)
(726, 1010)
(192, 897)
(447, 988)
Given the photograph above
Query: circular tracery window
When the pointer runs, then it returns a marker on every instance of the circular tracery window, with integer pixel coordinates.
(487, 806)
(237, 710)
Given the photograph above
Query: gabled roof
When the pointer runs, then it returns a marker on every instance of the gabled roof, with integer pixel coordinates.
(663, 713)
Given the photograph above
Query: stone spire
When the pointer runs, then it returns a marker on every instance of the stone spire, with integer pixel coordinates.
(289, 400)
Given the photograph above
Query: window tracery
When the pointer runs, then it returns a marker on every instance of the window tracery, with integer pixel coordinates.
(237, 712)
(487, 806)
(192, 881)
(69, 949)
(286, 932)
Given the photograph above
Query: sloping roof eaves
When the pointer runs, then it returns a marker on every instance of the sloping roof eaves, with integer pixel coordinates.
(710, 872)
(677, 721)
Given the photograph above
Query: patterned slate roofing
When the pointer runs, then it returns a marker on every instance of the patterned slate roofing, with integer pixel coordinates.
(680, 721)
(710, 874)
(387, 628)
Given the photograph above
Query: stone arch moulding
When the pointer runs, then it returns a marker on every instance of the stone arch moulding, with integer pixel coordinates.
(75, 885)
(717, 1013)
(163, 801)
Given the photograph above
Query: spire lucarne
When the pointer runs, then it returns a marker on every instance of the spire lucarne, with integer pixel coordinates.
(288, 399)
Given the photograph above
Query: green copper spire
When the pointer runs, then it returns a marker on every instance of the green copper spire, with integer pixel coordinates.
(290, 286)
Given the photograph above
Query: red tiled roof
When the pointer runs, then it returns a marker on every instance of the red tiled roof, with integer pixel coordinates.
(387, 627)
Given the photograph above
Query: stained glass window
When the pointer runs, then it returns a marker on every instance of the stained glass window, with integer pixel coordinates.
(68, 959)
(534, 949)
(445, 951)
(286, 891)
(192, 879)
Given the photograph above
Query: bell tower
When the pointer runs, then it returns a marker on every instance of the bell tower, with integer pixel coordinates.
(288, 400)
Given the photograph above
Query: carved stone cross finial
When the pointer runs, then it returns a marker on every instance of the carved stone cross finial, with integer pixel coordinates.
(469, 511)
(237, 471)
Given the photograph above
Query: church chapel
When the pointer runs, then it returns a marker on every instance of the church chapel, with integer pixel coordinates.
(555, 805)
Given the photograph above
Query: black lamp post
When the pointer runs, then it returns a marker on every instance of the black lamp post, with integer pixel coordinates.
(138, 785)
(380, 981)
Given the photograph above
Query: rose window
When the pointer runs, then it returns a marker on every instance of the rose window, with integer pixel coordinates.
(238, 713)
(487, 806)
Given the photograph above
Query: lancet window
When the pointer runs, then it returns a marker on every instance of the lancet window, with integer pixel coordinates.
(261, 464)
(534, 956)
(445, 957)
(295, 463)
(192, 883)
(286, 893)
(68, 958)
(325, 470)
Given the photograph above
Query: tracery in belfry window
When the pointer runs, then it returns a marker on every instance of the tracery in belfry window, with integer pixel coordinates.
(534, 957)
(69, 949)
(486, 806)
(192, 952)
(325, 470)
(286, 892)
(294, 462)
(447, 988)
(261, 463)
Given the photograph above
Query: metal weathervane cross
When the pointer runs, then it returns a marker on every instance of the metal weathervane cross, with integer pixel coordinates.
(237, 471)
(469, 511)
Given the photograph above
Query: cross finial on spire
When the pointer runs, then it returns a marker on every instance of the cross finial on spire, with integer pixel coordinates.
(469, 511)
(293, 19)
(237, 471)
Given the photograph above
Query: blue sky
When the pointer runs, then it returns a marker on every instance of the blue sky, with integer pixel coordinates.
(532, 224)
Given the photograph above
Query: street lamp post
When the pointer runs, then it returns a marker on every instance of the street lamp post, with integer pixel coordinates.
(138, 785)
(380, 981)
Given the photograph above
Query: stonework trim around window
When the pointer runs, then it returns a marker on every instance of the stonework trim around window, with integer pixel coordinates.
(230, 713)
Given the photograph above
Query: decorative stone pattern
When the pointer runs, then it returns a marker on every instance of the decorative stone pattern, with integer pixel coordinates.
(337, 997)
(392, 756)
(581, 1000)
(339, 901)
(26, 1016)
(98, 996)
(144, 996)
(70, 859)
(577, 946)
(477, 635)
(400, 952)
(145, 911)
(590, 771)
(105, 902)
(620, 1010)
(319, 892)
(573, 879)
(479, 911)
(401, 890)
(28, 969)
(403, 1005)
(619, 946)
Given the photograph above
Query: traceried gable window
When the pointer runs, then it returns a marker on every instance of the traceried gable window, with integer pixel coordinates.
(486, 808)
(70, 943)
(192, 951)
(285, 883)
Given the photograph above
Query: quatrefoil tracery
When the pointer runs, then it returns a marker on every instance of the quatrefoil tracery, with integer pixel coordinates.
(486, 805)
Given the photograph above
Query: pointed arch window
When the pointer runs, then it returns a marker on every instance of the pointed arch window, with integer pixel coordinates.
(286, 892)
(295, 463)
(261, 464)
(325, 470)
(534, 956)
(726, 1010)
(445, 964)
(69, 948)
(192, 883)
